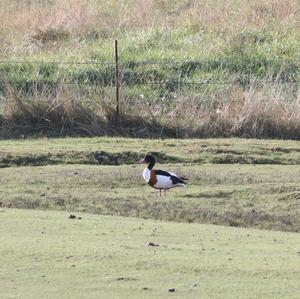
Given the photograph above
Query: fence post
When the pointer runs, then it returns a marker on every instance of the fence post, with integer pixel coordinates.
(117, 83)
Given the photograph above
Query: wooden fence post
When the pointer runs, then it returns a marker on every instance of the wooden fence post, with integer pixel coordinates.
(117, 83)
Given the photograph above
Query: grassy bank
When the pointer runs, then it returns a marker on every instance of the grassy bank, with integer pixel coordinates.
(48, 254)
(188, 69)
(262, 196)
(233, 182)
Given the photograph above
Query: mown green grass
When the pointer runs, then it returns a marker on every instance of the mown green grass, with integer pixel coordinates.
(46, 254)
(235, 182)
(263, 196)
(251, 196)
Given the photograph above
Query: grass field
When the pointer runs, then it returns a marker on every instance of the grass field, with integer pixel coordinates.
(235, 182)
(45, 254)
(238, 185)
(187, 69)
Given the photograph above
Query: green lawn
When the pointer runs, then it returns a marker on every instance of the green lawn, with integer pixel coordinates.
(44, 254)
(233, 194)
(232, 182)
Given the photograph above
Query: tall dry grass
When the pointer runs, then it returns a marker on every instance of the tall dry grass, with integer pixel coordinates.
(258, 112)
(23, 20)
(42, 112)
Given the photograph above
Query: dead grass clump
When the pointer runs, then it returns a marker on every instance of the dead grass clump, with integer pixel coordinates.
(259, 112)
(51, 35)
(43, 112)
(267, 115)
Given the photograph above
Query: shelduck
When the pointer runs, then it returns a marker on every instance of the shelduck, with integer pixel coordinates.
(160, 179)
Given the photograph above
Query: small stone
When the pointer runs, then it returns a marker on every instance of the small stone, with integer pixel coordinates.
(172, 290)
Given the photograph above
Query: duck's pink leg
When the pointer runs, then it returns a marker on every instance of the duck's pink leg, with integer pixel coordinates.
(160, 192)
(165, 192)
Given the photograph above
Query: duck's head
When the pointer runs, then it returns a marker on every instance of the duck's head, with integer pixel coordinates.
(150, 160)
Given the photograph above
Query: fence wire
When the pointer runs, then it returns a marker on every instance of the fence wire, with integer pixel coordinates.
(152, 79)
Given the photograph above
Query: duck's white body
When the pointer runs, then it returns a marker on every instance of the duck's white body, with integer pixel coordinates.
(163, 182)
(159, 181)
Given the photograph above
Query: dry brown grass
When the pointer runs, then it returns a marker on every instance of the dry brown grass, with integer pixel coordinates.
(41, 111)
(268, 115)
(20, 20)
(259, 112)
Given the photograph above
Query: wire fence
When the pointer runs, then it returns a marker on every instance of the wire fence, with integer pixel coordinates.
(154, 79)
(139, 88)
(149, 72)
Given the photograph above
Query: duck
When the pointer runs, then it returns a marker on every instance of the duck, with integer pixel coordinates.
(160, 179)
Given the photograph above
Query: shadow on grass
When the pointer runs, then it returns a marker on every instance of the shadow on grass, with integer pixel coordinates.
(219, 194)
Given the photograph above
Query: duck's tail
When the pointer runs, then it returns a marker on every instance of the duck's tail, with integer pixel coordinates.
(177, 180)
(183, 178)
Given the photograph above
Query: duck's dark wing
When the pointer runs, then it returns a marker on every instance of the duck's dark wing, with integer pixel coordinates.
(162, 172)
(174, 177)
